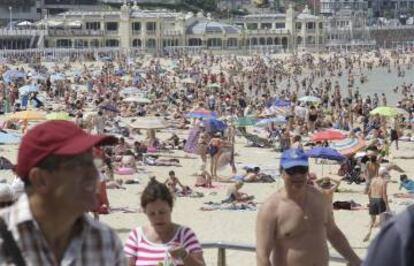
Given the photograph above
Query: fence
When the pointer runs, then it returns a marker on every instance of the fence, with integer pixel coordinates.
(223, 246)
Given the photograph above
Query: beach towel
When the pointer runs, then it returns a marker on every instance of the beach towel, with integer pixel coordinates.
(192, 141)
(236, 206)
(190, 194)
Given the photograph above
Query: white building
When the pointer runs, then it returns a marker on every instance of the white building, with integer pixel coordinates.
(133, 28)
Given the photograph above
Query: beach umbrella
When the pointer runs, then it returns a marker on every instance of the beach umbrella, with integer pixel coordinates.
(279, 120)
(325, 153)
(245, 121)
(214, 86)
(310, 99)
(328, 135)
(213, 125)
(28, 89)
(281, 103)
(188, 81)
(58, 116)
(137, 100)
(110, 108)
(348, 146)
(13, 74)
(148, 123)
(38, 77)
(24, 23)
(202, 113)
(9, 138)
(57, 77)
(130, 90)
(120, 72)
(28, 115)
(387, 111)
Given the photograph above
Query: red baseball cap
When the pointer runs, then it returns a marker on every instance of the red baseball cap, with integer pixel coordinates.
(55, 137)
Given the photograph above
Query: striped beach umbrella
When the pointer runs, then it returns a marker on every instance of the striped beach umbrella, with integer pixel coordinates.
(348, 146)
(202, 113)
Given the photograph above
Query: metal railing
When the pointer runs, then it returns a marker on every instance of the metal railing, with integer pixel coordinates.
(223, 246)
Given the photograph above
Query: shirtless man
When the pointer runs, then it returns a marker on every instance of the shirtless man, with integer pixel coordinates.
(294, 224)
(378, 200)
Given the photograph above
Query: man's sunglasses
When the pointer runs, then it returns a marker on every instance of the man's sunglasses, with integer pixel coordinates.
(297, 170)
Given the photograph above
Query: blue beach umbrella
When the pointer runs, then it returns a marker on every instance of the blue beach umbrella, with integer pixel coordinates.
(9, 138)
(278, 120)
(281, 103)
(325, 153)
(13, 74)
(213, 125)
(57, 77)
(28, 89)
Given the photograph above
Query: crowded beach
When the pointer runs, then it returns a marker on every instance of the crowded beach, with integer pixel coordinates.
(211, 138)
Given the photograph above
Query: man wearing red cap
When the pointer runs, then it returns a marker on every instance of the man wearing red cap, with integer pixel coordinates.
(48, 222)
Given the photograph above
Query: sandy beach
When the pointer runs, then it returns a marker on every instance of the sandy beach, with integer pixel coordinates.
(238, 226)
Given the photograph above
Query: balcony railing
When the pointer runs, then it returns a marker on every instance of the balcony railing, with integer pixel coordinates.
(20, 32)
(70, 33)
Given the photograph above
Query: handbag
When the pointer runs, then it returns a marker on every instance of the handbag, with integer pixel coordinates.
(10, 246)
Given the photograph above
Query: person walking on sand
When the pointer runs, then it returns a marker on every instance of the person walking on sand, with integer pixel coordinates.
(294, 224)
(378, 201)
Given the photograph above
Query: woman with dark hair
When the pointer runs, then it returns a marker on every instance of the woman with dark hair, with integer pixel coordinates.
(161, 242)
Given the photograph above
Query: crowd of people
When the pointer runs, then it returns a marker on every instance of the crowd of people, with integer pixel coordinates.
(214, 100)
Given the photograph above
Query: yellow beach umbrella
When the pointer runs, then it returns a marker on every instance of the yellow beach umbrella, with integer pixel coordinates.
(28, 115)
(58, 116)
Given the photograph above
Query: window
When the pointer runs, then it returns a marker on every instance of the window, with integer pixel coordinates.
(136, 26)
(112, 26)
(151, 26)
(252, 26)
(112, 43)
(280, 25)
(266, 26)
(298, 25)
(93, 25)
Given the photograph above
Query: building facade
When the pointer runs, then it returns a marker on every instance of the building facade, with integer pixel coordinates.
(154, 31)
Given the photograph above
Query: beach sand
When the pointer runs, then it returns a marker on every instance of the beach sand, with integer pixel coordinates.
(234, 226)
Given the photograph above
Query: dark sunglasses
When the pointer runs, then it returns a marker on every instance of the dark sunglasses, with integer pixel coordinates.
(297, 170)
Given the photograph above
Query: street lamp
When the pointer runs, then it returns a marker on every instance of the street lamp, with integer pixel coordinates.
(11, 17)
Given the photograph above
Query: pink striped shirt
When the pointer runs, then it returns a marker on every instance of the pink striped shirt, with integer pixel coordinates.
(147, 253)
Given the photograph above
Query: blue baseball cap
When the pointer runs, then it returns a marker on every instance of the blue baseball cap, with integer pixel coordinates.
(294, 157)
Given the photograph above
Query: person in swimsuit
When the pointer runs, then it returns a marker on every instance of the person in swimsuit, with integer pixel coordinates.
(378, 201)
(172, 183)
(312, 117)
